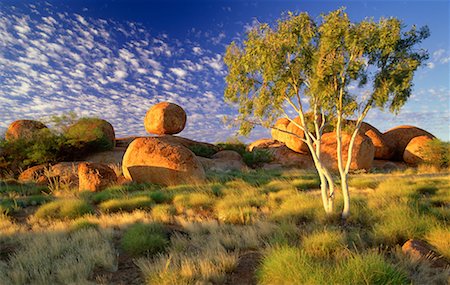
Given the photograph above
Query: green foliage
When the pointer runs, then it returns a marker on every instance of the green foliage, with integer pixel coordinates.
(64, 208)
(145, 239)
(42, 147)
(202, 150)
(324, 243)
(251, 158)
(437, 153)
(89, 135)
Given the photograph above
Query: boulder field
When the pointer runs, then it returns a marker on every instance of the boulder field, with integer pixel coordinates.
(170, 160)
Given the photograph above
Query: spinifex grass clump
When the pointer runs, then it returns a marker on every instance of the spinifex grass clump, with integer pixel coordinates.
(324, 243)
(64, 208)
(126, 204)
(145, 239)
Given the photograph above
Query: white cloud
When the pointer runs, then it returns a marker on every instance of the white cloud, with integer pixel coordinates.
(197, 50)
(430, 65)
(178, 72)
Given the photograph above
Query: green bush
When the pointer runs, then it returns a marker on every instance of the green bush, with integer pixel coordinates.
(66, 208)
(202, 150)
(145, 239)
(42, 147)
(251, 158)
(437, 153)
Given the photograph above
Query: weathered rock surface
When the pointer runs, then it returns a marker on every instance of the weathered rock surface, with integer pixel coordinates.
(282, 155)
(294, 142)
(414, 153)
(382, 150)
(419, 250)
(165, 119)
(362, 154)
(190, 144)
(33, 173)
(280, 124)
(399, 137)
(225, 160)
(157, 161)
(23, 129)
(387, 165)
(67, 172)
(95, 176)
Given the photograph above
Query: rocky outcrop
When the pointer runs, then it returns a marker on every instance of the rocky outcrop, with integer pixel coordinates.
(294, 140)
(190, 144)
(382, 150)
(165, 119)
(45, 174)
(23, 129)
(154, 160)
(399, 137)
(95, 176)
(414, 153)
(280, 126)
(419, 250)
(33, 174)
(225, 160)
(362, 154)
(282, 155)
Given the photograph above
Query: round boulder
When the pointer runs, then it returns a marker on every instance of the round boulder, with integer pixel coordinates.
(362, 154)
(91, 134)
(153, 160)
(95, 176)
(280, 126)
(399, 137)
(165, 119)
(415, 150)
(23, 129)
(293, 141)
(382, 150)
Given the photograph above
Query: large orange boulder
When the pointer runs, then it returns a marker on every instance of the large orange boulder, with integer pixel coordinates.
(195, 146)
(95, 176)
(293, 140)
(165, 118)
(414, 153)
(362, 154)
(399, 137)
(23, 129)
(382, 150)
(280, 126)
(154, 160)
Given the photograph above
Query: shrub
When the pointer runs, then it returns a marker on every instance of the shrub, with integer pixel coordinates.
(202, 150)
(145, 238)
(368, 268)
(437, 153)
(126, 204)
(66, 208)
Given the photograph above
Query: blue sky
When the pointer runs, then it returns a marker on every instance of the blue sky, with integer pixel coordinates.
(115, 59)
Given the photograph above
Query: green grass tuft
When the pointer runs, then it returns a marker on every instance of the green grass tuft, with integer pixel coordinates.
(65, 208)
(126, 204)
(141, 239)
(323, 244)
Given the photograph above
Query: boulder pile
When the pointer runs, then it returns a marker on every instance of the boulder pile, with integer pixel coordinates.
(23, 129)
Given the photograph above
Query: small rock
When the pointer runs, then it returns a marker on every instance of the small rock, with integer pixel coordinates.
(420, 250)
(95, 176)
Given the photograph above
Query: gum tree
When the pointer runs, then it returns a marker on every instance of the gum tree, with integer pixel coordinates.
(309, 66)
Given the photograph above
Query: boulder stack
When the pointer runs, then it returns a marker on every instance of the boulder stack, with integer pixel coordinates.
(165, 118)
(294, 140)
(414, 153)
(157, 161)
(280, 126)
(382, 150)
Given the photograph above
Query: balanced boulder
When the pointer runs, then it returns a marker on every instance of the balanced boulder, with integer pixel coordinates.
(23, 129)
(165, 119)
(293, 139)
(414, 153)
(362, 154)
(280, 126)
(399, 137)
(154, 160)
(95, 176)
